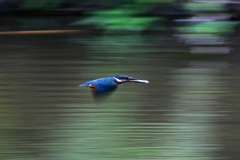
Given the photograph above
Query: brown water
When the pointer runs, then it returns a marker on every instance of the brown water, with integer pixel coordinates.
(188, 111)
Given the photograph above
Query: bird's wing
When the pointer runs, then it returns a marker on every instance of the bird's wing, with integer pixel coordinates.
(104, 85)
(102, 88)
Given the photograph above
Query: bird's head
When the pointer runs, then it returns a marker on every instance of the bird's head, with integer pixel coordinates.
(121, 79)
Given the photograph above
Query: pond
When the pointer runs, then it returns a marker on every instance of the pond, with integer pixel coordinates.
(189, 110)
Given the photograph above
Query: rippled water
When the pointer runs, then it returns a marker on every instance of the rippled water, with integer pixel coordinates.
(188, 111)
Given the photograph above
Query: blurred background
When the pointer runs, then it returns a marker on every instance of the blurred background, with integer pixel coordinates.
(187, 49)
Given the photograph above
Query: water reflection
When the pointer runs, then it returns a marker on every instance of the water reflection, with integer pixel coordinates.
(194, 113)
(118, 46)
(46, 115)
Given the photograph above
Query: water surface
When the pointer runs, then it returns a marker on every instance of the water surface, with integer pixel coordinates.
(188, 111)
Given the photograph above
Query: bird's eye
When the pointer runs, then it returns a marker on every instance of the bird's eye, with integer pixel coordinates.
(129, 78)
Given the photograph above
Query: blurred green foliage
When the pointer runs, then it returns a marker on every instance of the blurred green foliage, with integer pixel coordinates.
(209, 27)
(204, 6)
(154, 1)
(124, 17)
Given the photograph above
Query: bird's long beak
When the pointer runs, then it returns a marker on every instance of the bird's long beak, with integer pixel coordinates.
(137, 80)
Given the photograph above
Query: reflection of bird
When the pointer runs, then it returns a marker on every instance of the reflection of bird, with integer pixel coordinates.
(104, 86)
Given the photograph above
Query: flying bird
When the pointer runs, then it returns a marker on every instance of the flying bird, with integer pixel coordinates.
(104, 86)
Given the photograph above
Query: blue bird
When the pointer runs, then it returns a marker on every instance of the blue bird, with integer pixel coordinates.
(104, 86)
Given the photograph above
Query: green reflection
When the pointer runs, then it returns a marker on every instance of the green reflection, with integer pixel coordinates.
(119, 46)
(197, 91)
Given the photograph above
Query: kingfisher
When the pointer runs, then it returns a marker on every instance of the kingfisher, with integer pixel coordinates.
(105, 86)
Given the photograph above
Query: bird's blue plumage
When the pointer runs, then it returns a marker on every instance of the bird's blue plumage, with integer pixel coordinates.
(104, 86)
